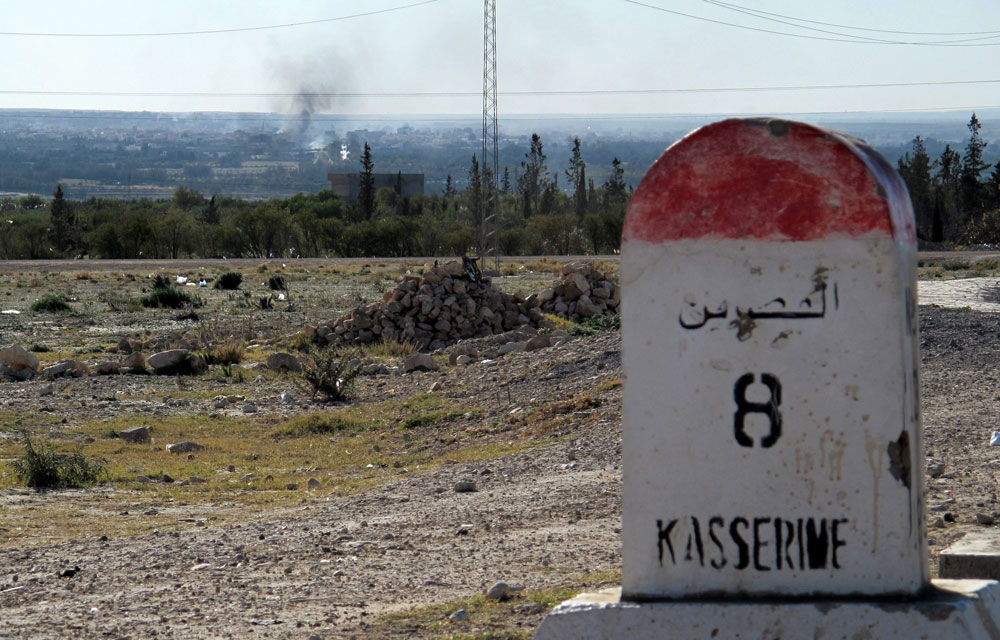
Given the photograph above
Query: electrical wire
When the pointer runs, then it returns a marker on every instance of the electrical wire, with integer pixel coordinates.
(214, 31)
(476, 94)
(751, 12)
(730, 5)
(851, 38)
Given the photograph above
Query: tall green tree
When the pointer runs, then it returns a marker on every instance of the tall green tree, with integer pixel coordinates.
(946, 180)
(62, 221)
(615, 191)
(449, 189)
(534, 176)
(916, 172)
(366, 186)
(577, 175)
(970, 188)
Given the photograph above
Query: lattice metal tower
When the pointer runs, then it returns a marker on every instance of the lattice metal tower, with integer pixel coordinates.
(489, 243)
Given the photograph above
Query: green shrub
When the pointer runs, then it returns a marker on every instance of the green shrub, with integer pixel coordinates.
(168, 298)
(119, 302)
(51, 303)
(226, 354)
(277, 283)
(328, 374)
(596, 324)
(46, 469)
(229, 281)
(318, 424)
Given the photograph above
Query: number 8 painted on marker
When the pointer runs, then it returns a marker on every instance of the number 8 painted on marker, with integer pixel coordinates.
(769, 408)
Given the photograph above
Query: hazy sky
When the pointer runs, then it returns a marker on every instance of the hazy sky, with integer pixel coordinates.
(542, 45)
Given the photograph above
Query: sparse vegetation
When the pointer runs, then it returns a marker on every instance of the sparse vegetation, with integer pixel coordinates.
(328, 375)
(44, 468)
(229, 281)
(166, 296)
(51, 303)
(596, 324)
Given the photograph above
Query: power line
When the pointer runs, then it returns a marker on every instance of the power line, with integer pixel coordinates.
(473, 117)
(729, 5)
(753, 13)
(214, 31)
(850, 38)
(470, 94)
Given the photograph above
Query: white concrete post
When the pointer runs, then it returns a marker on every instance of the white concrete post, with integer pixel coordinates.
(772, 441)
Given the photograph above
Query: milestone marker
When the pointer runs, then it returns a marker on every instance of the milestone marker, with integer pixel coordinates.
(772, 441)
(772, 449)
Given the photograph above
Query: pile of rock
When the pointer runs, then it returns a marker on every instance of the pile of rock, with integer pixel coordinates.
(441, 307)
(581, 293)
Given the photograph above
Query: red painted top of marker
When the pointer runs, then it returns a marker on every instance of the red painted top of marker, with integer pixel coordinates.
(773, 180)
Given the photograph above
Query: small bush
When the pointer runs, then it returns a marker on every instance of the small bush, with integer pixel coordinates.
(318, 424)
(329, 375)
(46, 469)
(51, 303)
(168, 298)
(161, 281)
(277, 283)
(226, 354)
(596, 324)
(38, 347)
(119, 302)
(390, 349)
(229, 281)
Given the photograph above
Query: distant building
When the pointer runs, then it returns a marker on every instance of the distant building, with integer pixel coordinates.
(347, 185)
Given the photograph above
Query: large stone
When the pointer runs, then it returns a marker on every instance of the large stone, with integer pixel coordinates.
(175, 362)
(184, 447)
(281, 361)
(419, 362)
(18, 363)
(66, 369)
(135, 435)
(166, 359)
(135, 362)
(537, 342)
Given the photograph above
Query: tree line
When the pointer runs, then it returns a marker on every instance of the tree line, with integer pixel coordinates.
(535, 216)
(956, 199)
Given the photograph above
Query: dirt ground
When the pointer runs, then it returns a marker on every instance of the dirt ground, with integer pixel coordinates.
(332, 566)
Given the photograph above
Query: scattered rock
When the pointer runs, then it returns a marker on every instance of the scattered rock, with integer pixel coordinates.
(465, 486)
(66, 369)
(984, 519)
(16, 363)
(935, 470)
(498, 591)
(536, 343)
(136, 435)
(106, 367)
(135, 362)
(314, 483)
(459, 616)
(529, 608)
(419, 362)
(184, 447)
(284, 362)
(175, 362)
